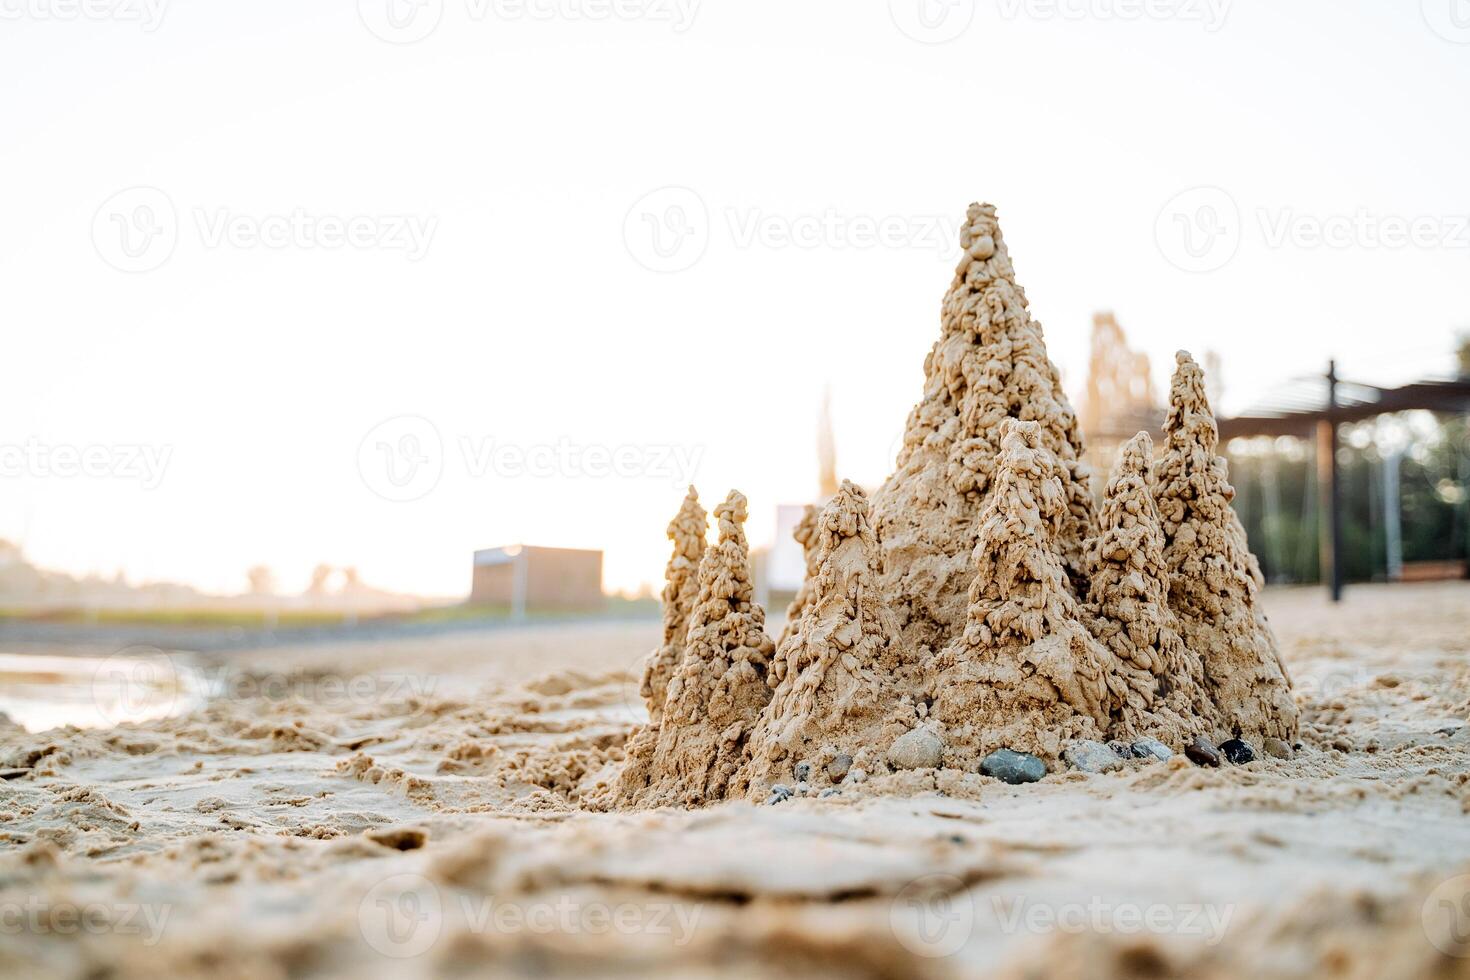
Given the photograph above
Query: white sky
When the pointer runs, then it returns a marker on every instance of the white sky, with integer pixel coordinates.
(522, 142)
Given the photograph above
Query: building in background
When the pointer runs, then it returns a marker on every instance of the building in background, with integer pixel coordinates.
(522, 577)
(1120, 398)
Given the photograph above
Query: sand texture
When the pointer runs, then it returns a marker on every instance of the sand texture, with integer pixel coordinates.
(445, 829)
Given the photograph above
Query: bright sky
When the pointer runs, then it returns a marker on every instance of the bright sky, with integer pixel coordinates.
(348, 253)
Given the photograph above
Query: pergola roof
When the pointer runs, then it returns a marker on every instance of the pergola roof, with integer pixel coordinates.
(1295, 408)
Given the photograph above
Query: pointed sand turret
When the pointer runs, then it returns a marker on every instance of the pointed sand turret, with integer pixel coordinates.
(1214, 580)
(832, 675)
(989, 364)
(1025, 674)
(719, 688)
(1128, 611)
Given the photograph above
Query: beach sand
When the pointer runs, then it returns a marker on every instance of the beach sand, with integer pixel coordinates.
(421, 808)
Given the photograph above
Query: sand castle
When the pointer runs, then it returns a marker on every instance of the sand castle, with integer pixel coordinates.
(981, 601)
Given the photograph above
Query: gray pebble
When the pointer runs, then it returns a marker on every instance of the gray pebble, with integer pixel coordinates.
(1276, 748)
(1013, 767)
(780, 789)
(1121, 749)
(1152, 748)
(803, 788)
(803, 771)
(829, 792)
(921, 748)
(839, 766)
(856, 776)
(1090, 756)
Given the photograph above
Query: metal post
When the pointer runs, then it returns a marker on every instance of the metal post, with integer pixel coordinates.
(1330, 490)
(1393, 538)
(520, 573)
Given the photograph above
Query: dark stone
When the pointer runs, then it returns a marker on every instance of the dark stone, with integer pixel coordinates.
(803, 771)
(839, 767)
(1237, 751)
(1013, 767)
(1121, 749)
(1202, 753)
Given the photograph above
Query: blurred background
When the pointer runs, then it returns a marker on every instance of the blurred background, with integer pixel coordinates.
(320, 314)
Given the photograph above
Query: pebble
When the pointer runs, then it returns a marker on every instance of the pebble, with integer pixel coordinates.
(839, 767)
(1121, 749)
(921, 748)
(856, 776)
(829, 792)
(1090, 756)
(1152, 748)
(1237, 751)
(1276, 748)
(1202, 753)
(780, 789)
(803, 788)
(803, 771)
(1013, 767)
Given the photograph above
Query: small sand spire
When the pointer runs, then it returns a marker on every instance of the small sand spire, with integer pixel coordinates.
(1025, 674)
(989, 364)
(1128, 610)
(719, 688)
(1213, 578)
(831, 672)
(805, 534)
(681, 588)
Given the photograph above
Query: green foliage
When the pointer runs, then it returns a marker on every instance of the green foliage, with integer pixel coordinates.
(1277, 500)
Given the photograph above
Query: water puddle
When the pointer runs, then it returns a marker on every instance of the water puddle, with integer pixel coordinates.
(41, 691)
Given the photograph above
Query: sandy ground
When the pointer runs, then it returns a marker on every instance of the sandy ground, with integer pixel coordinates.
(428, 808)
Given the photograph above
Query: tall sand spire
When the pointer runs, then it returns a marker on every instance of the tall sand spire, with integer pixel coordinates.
(1214, 580)
(718, 690)
(989, 364)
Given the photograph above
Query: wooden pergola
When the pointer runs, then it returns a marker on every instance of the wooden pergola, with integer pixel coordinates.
(1317, 408)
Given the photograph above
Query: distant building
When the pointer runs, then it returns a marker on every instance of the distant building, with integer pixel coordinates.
(523, 577)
